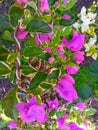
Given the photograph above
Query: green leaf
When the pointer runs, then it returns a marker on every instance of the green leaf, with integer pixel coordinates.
(32, 4)
(7, 36)
(66, 31)
(15, 14)
(4, 68)
(3, 54)
(46, 85)
(12, 57)
(27, 69)
(60, 113)
(37, 25)
(37, 91)
(38, 78)
(32, 51)
(79, 120)
(52, 113)
(94, 67)
(84, 92)
(70, 4)
(90, 111)
(53, 75)
(8, 104)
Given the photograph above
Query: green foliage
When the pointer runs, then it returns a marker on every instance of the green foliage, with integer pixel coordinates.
(8, 104)
(3, 53)
(66, 31)
(26, 70)
(87, 76)
(70, 4)
(38, 78)
(7, 36)
(37, 25)
(12, 57)
(53, 75)
(4, 68)
(32, 51)
(46, 85)
(90, 111)
(15, 14)
(84, 92)
(32, 4)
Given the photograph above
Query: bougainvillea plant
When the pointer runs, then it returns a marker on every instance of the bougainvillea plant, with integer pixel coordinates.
(46, 47)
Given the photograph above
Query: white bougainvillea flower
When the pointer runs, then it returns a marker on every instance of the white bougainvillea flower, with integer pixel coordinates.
(90, 43)
(86, 18)
(94, 56)
(76, 25)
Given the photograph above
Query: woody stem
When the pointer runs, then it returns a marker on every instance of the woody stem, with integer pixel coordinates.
(18, 64)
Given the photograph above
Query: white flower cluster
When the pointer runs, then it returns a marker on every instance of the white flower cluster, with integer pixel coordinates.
(91, 43)
(86, 19)
(85, 25)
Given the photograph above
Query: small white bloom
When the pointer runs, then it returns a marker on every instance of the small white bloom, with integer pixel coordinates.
(91, 15)
(94, 56)
(84, 27)
(76, 25)
(90, 43)
(83, 11)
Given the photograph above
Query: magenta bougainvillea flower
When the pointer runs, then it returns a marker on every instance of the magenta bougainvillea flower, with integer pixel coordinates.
(22, 1)
(85, 123)
(23, 110)
(50, 59)
(53, 104)
(47, 49)
(58, 27)
(65, 2)
(40, 38)
(71, 69)
(61, 47)
(73, 126)
(21, 34)
(66, 89)
(66, 17)
(81, 105)
(61, 122)
(37, 112)
(44, 6)
(68, 78)
(31, 111)
(78, 57)
(77, 42)
(12, 124)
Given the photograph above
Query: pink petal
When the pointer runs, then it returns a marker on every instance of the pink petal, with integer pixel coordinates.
(44, 6)
(12, 124)
(71, 69)
(79, 57)
(22, 35)
(81, 105)
(77, 42)
(66, 17)
(50, 60)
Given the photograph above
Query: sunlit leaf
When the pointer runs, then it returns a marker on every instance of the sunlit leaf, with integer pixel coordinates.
(15, 13)
(38, 78)
(8, 104)
(4, 68)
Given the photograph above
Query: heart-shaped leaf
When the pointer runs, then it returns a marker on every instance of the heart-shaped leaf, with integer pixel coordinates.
(37, 25)
(8, 104)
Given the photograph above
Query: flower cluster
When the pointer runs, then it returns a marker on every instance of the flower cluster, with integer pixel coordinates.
(57, 49)
(31, 112)
(86, 24)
